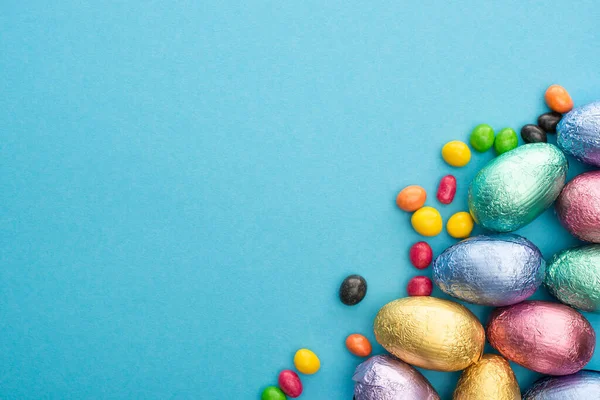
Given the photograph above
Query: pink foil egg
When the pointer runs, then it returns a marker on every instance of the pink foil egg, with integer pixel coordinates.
(578, 206)
(545, 337)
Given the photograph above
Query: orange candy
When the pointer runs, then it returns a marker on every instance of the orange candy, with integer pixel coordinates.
(558, 99)
(358, 345)
(411, 198)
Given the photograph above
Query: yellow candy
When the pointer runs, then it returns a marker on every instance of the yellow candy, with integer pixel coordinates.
(460, 225)
(456, 153)
(427, 221)
(306, 362)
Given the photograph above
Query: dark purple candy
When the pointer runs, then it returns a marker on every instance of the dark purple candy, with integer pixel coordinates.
(533, 134)
(549, 121)
(353, 290)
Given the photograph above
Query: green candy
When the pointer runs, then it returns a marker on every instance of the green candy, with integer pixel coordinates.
(482, 138)
(506, 140)
(272, 393)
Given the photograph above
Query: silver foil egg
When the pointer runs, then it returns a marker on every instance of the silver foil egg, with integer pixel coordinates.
(516, 187)
(383, 378)
(582, 385)
(579, 133)
(578, 206)
(496, 270)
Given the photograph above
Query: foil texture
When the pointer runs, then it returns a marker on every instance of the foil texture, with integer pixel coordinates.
(385, 378)
(579, 133)
(430, 333)
(573, 277)
(582, 385)
(490, 379)
(495, 270)
(578, 207)
(516, 187)
(545, 337)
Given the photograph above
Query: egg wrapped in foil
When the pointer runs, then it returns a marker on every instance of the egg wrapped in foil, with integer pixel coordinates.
(582, 385)
(489, 379)
(515, 188)
(578, 206)
(579, 133)
(495, 270)
(573, 277)
(430, 333)
(383, 377)
(545, 337)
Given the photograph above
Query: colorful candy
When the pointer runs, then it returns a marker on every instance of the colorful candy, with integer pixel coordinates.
(490, 379)
(353, 289)
(430, 333)
(427, 221)
(506, 140)
(578, 206)
(411, 198)
(482, 138)
(421, 255)
(582, 385)
(579, 134)
(460, 225)
(533, 134)
(419, 286)
(358, 345)
(306, 362)
(446, 189)
(548, 338)
(272, 393)
(456, 153)
(558, 99)
(289, 383)
(549, 121)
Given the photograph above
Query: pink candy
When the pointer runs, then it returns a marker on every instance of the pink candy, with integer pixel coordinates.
(446, 189)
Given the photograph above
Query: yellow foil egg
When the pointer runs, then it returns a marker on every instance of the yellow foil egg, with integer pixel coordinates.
(430, 333)
(427, 221)
(490, 379)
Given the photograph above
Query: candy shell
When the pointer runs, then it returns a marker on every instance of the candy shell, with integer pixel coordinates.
(427, 221)
(579, 134)
(558, 99)
(578, 206)
(272, 393)
(358, 345)
(289, 383)
(490, 379)
(582, 385)
(411, 198)
(306, 362)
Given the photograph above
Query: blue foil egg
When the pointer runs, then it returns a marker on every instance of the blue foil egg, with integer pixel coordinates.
(496, 270)
(579, 133)
(515, 188)
(582, 385)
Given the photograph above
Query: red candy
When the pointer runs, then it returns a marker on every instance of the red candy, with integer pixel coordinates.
(419, 286)
(289, 383)
(420, 255)
(446, 189)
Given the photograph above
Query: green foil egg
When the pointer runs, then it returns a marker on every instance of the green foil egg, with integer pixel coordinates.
(573, 275)
(515, 188)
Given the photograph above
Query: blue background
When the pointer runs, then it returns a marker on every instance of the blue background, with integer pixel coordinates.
(184, 185)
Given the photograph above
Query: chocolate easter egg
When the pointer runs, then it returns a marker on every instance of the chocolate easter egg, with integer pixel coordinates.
(549, 338)
(578, 206)
(573, 275)
(579, 133)
(494, 270)
(516, 187)
(430, 333)
(489, 379)
(383, 377)
(582, 385)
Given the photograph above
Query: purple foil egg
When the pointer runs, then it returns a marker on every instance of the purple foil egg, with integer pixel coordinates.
(579, 133)
(383, 377)
(582, 385)
(578, 206)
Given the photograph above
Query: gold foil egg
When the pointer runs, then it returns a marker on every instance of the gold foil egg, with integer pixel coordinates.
(489, 379)
(430, 333)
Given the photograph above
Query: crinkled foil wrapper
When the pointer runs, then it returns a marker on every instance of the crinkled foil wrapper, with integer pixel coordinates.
(573, 277)
(385, 378)
(495, 270)
(430, 333)
(582, 385)
(578, 206)
(489, 379)
(579, 133)
(515, 188)
(545, 337)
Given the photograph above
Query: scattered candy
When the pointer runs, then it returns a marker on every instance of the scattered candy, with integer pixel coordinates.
(506, 140)
(272, 393)
(358, 345)
(579, 134)
(578, 206)
(489, 379)
(549, 121)
(420, 255)
(306, 362)
(482, 138)
(411, 198)
(419, 286)
(558, 99)
(533, 134)
(446, 189)
(353, 289)
(427, 221)
(460, 225)
(289, 383)
(456, 153)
